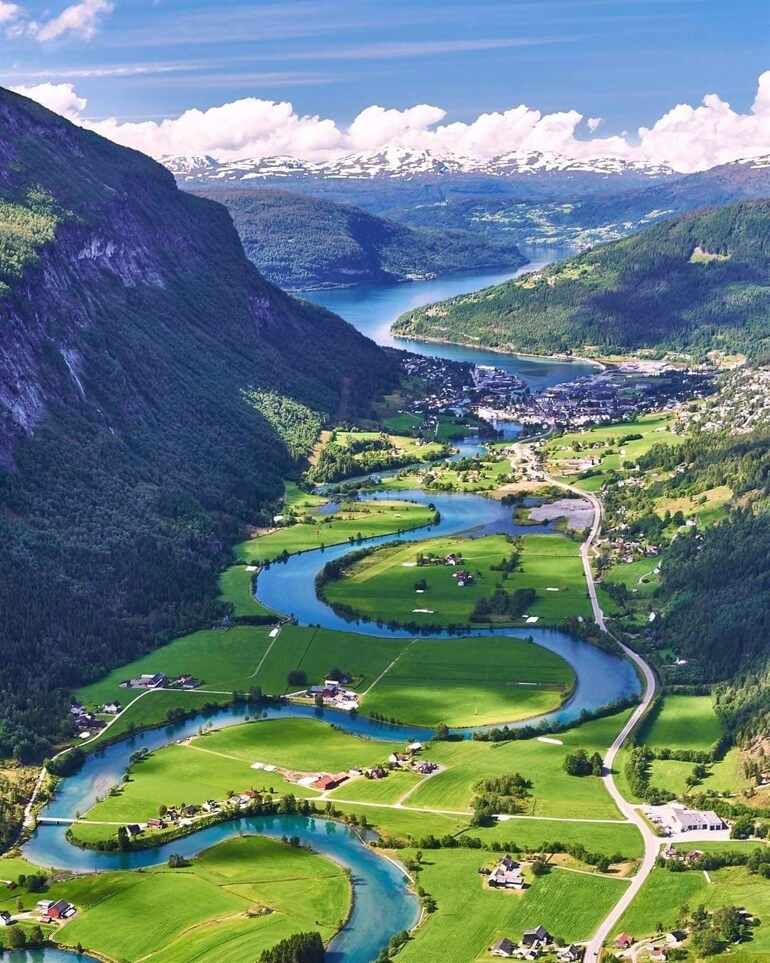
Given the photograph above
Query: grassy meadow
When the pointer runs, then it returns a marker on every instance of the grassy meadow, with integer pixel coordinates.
(382, 585)
(352, 521)
(470, 917)
(664, 893)
(464, 682)
(234, 900)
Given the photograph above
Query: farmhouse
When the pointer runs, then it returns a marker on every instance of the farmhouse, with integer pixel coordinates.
(60, 910)
(624, 941)
(327, 781)
(507, 874)
(537, 938)
(503, 947)
(147, 681)
(5, 918)
(571, 954)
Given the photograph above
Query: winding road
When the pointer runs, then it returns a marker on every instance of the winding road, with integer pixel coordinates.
(652, 842)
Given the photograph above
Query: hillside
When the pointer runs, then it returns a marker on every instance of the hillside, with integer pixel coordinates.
(694, 283)
(299, 242)
(154, 391)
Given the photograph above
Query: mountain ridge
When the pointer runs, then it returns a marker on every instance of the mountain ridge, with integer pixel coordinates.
(155, 391)
(302, 242)
(694, 283)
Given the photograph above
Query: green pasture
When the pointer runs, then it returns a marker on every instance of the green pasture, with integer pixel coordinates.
(664, 893)
(463, 682)
(554, 793)
(684, 722)
(235, 587)
(353, 521)
(470, 917)
(303, 744)
(233, 901)
(223, 659)
(382, 585)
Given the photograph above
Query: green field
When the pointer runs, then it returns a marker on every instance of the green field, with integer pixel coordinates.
(235, 587)
(470, 917)
(234, 900)
(223, 659)
(465, 682)
(664, 893)
(382, 585)
(684, 722)
(603, 446)
(217, 763)
(304, 744)
(554, 793)
(354, 520)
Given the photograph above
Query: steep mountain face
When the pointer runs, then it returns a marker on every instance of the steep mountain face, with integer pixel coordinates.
(303, 242)
(154, 390)
(695, 283)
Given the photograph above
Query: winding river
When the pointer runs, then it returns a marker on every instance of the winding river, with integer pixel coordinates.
(382, 903)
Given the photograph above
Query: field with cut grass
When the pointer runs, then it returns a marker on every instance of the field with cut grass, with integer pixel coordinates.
(223, 659)
(387, 585)
(470, 916)
(351, 522)
(684, 722)
(236, 588)
(217, 763)
(554, 793)
(664, 893)
(233, 901)
(297, 744)
(464, 682)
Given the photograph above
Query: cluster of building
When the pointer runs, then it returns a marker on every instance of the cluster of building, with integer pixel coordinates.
(614, 394)
(84, 722)
(159, 680)
(410, 760)
(533, 944)
(506, 875)
(188, 814)
(334, 694)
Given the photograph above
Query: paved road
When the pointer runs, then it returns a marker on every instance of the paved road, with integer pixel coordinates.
(652, 842)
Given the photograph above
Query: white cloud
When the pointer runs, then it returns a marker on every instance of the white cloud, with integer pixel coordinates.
(9, 12)
(688, 138)
(693, 138)
(79, 18)
(61, 98)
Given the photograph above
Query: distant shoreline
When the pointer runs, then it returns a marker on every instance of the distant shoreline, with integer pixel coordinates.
(563, 358)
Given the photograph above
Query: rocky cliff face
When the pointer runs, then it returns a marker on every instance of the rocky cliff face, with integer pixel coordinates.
(155, 391)
(138, 276)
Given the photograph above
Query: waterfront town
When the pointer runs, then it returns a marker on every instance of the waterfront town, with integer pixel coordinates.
(612, 393)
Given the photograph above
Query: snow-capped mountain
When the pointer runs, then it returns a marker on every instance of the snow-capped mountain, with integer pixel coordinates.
(405, 163)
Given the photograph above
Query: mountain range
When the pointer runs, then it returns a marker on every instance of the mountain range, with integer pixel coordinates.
(692, 283)
(303, 242)
(406, 163)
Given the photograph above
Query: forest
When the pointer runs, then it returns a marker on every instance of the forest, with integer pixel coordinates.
(694, 283)
(302, 242)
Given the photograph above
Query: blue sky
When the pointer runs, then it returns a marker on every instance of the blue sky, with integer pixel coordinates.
(626, 61)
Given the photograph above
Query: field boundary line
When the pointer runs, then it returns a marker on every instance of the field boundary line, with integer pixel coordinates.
(387, 669)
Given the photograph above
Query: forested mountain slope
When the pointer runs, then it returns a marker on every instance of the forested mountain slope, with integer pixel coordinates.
(698, 282)
(154, 390)
(299, 241)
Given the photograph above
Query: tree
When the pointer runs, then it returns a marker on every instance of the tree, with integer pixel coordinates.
(17, 938)
(742, 828)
